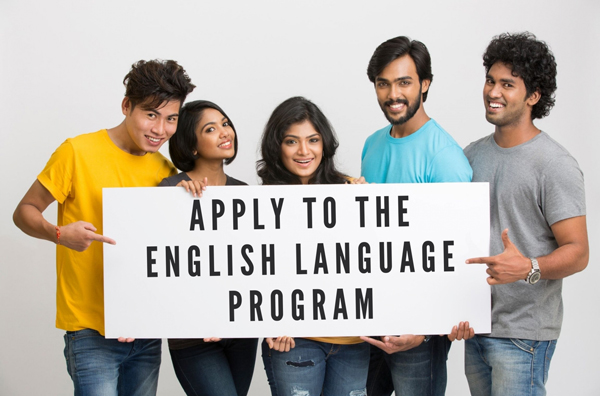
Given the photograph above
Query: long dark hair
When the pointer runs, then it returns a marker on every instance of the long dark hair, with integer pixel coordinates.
(183, 143)
(294, 111)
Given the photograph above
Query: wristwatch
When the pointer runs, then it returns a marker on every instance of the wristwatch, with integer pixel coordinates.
(534, 275)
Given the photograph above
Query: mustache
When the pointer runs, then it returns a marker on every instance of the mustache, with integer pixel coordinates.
(390, 102)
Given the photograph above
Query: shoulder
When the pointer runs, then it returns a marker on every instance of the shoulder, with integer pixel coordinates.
(379, 134)
(474, 147)
(234, 182)
(174, 180)
(89, 140)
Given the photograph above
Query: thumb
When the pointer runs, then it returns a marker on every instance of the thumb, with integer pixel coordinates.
(505, 239)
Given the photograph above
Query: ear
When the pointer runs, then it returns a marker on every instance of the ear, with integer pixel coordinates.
(425, 85)
(534, 98)
(125, 105)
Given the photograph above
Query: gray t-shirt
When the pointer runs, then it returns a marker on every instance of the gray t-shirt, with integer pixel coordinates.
(532, 186)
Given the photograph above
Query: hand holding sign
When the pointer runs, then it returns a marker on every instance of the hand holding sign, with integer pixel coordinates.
(80, 235)
(461, 332)
(506, 267)
(281, 344)
(391, 344)
(194, 186)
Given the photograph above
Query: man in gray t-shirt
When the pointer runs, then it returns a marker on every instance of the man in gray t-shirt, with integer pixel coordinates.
(537, 197)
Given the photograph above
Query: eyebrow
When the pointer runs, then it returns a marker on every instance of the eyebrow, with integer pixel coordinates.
(155, 111)
(298, 137)
(505, 80)
(395, 80)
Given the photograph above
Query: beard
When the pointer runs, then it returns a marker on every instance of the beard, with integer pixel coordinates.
(411, 109)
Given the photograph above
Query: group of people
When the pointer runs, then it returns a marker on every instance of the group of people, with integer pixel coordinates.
(536, 196)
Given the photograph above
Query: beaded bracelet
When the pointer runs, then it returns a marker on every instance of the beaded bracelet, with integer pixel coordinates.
(57, 235)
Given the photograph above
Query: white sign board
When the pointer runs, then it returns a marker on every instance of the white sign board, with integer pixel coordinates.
(320, 260)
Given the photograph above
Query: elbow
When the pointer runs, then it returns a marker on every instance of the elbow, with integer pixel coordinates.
(17, 217)
(583, 261)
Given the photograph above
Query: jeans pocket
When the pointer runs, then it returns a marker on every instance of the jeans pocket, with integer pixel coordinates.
(528, 346)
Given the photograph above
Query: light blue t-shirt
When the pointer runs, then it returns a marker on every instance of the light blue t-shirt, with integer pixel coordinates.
(430, 155)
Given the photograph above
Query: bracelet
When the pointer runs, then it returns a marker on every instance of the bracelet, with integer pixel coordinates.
(57, 235)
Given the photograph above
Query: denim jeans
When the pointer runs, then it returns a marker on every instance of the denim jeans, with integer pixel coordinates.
(313, 368)
(105, 367)
(420, 371)
(221, 368)
(507, 366)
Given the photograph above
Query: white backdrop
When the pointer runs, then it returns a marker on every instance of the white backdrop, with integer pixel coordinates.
(61, 67)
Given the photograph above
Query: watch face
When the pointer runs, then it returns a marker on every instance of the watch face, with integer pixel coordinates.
(534, 277)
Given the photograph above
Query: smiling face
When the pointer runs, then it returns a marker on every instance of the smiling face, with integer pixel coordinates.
(302, 150)
(399, 90)
(216, 137)
(148, 129)
(505, 97)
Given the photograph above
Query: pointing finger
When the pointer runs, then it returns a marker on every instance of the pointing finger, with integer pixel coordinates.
(104, 239)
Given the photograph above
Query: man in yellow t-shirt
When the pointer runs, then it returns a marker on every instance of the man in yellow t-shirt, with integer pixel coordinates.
(124, 156)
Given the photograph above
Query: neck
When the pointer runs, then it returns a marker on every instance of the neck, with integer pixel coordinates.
(212, 170)
(514, 135)
(411, 126)
(122, 140)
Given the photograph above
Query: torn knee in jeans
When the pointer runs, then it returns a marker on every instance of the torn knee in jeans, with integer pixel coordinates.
(359, 392)
(304, 363)
(299, 392)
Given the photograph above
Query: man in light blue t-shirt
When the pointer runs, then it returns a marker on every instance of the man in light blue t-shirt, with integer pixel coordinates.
(412, 149)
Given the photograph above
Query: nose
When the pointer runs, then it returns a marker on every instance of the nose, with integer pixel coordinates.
(495, 91)
(303, 147)
(159, 127)
(223, 132)
(394, 92)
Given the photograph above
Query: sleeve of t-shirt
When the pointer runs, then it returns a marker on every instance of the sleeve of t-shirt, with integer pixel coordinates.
(563, 190)
(57, 176)
(450, 165)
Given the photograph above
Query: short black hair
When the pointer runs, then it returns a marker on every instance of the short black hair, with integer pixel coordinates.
(151, 83)
(395, 48)
(292, 111)
(182, 144)
(530, 59)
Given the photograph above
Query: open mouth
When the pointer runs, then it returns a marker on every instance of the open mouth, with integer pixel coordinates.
(495, 105)
(225, 145)
(304, 162)
(153, 139)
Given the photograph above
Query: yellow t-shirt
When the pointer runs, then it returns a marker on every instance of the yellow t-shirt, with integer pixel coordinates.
(337, 340)
(75, 176)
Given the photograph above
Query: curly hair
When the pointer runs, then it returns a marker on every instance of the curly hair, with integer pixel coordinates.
(295, 111)
(151, 83)
(182, 144)
(530, 59)
(396, 47)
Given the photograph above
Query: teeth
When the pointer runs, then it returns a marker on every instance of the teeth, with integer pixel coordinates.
(155, 140)
(303, 161)
(496, 105)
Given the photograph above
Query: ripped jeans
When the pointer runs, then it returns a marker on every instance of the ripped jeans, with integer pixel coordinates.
(313, 368)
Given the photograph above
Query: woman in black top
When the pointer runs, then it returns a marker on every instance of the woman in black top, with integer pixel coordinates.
(205, 140)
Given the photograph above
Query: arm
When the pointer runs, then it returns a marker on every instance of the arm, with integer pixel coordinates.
(571, 256)
(28, 217)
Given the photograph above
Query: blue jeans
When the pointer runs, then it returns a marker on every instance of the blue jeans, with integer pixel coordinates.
(221, 368)
(313, 368)
(507, 366)
(104, 367)
(420, 371)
